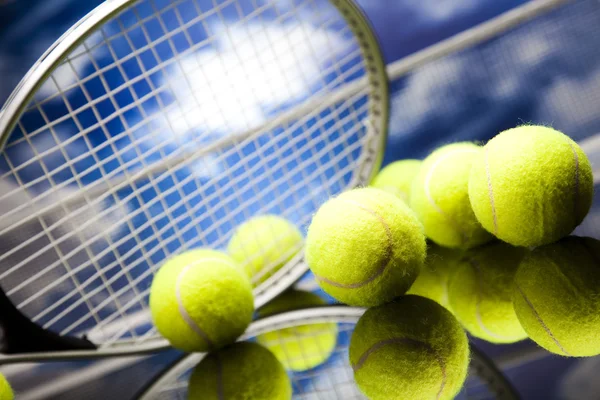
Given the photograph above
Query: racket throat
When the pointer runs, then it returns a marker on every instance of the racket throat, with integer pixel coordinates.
(18, 334)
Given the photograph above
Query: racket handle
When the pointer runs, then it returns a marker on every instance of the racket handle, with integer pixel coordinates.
(18, 334)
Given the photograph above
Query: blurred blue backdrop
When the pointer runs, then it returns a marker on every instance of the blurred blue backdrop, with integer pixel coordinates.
(547, 71)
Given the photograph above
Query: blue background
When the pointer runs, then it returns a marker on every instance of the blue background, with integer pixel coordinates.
(549, 76)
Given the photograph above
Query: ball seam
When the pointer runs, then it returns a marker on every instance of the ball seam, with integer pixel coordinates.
(363, 358)
(386, 260)
(182, 311)
(540, 320)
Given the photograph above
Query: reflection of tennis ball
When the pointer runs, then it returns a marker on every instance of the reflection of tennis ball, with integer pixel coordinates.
(480, 292)
(397, 178)
(262, 245)
(365, 247)
(6, 392)
(411, 348)
(556, 294)
(440, 197)
(302, 347)
(531, 186)
(201, 300)
(241, 371)
(432, 282)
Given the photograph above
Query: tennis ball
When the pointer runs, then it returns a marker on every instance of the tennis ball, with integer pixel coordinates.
(201, 300)
(411, 348)
(432, 282)
(480, 292)
(301, 347)
(263, 244)
(440, 197)
(531, 186)
(6, 392)
(365, 247)
(556, 296)
(397, 178)
(240, 371)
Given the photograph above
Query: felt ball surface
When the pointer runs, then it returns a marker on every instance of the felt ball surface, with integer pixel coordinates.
(397, 177)
(263, 244)
(411, 348)
(365, 247)
(480, 290)
(440, 197)
(556, 295)
(531, 186)
(201, 300)
(302, 347)
(432, 282)
(240, 371)
(6, 392)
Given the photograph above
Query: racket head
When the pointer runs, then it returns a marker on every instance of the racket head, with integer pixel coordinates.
(334, 378)
(158, 126)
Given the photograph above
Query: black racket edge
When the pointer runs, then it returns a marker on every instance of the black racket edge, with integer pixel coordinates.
(20, 335)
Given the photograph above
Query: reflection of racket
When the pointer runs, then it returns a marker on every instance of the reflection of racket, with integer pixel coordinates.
(333, 379)
(154, 127)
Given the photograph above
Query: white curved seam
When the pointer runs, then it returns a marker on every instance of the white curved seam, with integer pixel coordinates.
(375, 347)
(389, 254)
(182, 311)
(541, 321)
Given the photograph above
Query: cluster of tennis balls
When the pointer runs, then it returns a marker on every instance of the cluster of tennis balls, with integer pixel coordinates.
(202, 301)
(498, 262)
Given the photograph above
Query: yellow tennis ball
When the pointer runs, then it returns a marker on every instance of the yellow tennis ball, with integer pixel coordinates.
(480, 292)
(531, 186)
(365, 247)
(241, 371)
(432, 282)
(411, 348)
(6, 392)
(556, 296)
(397, 177)
(301, 347)
(263, 244)
(201, 300)
(440, 197)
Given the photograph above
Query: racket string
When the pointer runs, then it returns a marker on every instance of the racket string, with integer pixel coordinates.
(65, 184)
(135, 53)
(163, 131)
(330, 379)
(114, 173)
(251, 169)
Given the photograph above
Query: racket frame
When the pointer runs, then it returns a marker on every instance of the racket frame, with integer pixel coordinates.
(480, 364)
(53, 347)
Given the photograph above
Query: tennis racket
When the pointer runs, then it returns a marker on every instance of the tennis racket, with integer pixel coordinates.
(157, 126)
(334, 378)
